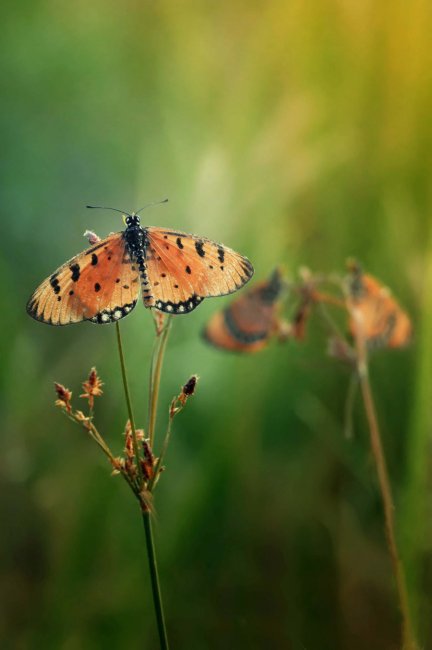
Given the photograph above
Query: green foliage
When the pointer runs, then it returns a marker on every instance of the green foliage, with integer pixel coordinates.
(293, 132)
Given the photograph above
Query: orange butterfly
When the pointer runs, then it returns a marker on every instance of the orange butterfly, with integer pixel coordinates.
(248, 323)
(383, 321)
(175, 272)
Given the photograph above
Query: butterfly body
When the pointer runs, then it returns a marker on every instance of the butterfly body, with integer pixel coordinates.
(174, 270)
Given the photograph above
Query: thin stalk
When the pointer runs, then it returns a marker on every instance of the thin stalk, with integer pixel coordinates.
(146, 515)
(155, 380)
(129, 405)
(409, 642)
(157, 599)
(349, 404)
(161, 456)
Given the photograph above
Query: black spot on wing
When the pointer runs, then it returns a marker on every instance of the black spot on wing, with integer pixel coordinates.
(55, 283)
(75, 270)
(188, 270)
(199, 247)
(179, 242)
(94, 259)
(221, 254)
(247, 267)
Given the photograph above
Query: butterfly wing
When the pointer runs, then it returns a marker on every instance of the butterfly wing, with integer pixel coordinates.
(184, 269)
(248, 322)
(100, 285)
(384, 323)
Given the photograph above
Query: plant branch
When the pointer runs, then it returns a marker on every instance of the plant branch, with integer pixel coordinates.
(409, 642)
(146, 514)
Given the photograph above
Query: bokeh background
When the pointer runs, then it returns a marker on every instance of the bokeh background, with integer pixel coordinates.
(295, 132)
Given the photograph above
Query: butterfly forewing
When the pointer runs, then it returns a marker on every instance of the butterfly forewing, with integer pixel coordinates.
(184, 269)
(101, 285)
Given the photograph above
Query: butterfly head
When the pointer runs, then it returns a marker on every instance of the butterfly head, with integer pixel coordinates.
(131, 219)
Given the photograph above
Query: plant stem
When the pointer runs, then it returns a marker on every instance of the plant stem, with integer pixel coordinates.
(146, 515)
(129, 405)
(155, 380)
(409, 642)
(157, 599)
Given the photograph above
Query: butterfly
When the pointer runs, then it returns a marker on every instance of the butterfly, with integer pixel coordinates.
(248, 323)
(173, 270)
(384, 323)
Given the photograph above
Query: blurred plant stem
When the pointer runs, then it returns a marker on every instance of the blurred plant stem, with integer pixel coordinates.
(154, 576)
(409, 642)
(415, 521)
(155, 376)
(146, 514)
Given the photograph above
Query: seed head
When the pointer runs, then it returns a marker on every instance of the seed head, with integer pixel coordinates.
(92, 387)
(64, 396)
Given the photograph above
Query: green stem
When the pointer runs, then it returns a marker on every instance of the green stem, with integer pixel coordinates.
(409, 642)
(157, 599)
(151, 553)
(155, 380)
(160, 460)
(129, 405)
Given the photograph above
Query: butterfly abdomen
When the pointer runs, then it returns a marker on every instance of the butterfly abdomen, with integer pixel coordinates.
(136, 245)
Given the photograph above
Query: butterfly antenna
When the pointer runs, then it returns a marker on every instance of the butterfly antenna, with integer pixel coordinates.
(101, 207)
(147, 205)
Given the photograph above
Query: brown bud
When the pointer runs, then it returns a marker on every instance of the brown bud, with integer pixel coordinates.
(92, 387)
(190, 385)
(64, 396)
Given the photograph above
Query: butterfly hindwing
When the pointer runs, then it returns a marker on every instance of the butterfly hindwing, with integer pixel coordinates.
(249, 321)
(100, 284)
(184, 269)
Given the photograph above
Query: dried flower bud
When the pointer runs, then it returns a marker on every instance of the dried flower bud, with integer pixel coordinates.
(118, 465)
(190, 385)
(64, 396)
(92, 237)
(82, 419)
(187, 391)
(92, 387)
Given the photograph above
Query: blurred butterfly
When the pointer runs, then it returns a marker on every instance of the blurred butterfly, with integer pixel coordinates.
(384, 323)
(174, 271)
(248, 323)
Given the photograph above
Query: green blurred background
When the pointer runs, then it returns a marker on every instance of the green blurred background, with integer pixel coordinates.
(295, 132)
